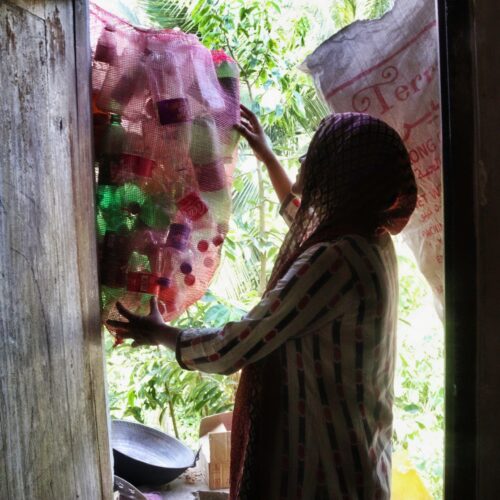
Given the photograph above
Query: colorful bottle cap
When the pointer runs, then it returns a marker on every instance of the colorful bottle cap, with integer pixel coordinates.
(171, 111)
(178, 236)
(192, 206)
(203, 245)
(189, 279)
(218, 240)
(186, 268)
(163, 282)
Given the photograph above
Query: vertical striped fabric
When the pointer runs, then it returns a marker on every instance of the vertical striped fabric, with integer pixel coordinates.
(333, 316)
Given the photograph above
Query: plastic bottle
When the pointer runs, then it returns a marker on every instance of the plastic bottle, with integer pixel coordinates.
(228, 76)
(114, 255)
(105, 54)
(149, 211)
(178, 257)
(165, 83)
(109, 149)
(124, 89)
(208, 164)
(204, 87)
(142, 284)
(206, 155)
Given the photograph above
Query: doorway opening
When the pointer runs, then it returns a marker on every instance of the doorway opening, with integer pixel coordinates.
(149, 386)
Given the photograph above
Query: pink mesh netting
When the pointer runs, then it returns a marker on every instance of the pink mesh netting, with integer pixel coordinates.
(165, 148)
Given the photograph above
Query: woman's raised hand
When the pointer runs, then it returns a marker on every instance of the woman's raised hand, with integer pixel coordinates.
(144, 330)
(251, 129)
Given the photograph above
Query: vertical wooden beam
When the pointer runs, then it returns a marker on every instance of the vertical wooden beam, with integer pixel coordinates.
(486, 50)
(84, 199)
(460, 247)
(53, 425)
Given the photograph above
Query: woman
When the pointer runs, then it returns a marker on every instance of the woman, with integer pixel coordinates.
(313, 412)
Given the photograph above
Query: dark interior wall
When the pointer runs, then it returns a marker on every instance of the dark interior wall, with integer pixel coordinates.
(53, 422)
(470, 51)
(486, 49)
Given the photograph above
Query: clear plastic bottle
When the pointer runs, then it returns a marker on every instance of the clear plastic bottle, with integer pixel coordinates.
(124, 89)
(228, 76)
(165, 83)
(174, 263)
(105, 54)
(206, 155)
(205, 88)
(109, 148)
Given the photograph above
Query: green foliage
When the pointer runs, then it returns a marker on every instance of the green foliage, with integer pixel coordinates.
(345, 12)
(269, 39)
(419, 390)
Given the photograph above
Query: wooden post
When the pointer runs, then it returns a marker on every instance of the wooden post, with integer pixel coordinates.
(53, 420)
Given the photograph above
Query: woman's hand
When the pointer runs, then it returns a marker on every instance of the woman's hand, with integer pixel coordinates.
(144, 330)
(251, 129)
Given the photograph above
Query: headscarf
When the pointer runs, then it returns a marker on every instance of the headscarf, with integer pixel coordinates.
(357, 179)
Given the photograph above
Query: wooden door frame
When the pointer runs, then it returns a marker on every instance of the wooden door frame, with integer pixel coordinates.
(457, 91)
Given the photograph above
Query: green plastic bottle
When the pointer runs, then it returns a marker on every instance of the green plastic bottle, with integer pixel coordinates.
(109, 149)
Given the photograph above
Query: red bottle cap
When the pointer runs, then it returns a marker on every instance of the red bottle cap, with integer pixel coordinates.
(203, 245)
(218, 240)
(189, 279)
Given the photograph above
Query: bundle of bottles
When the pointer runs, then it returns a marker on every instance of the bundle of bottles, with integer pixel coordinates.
(164, 110)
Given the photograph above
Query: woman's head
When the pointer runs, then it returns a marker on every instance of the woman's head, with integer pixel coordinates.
(357, 174)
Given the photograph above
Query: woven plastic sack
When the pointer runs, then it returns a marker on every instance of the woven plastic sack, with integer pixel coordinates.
(389, 68)
(165, 149)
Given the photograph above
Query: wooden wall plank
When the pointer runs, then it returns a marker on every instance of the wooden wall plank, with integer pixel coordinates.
(487, 100)
(53, 434)
(35, 7)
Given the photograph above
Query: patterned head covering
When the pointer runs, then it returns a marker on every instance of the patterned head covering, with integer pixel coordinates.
(357, 179)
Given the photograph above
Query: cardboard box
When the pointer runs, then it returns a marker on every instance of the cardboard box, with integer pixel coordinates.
(215, 454)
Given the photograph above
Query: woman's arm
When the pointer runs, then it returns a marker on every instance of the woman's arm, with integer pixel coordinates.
(251, 129)
(316, 288)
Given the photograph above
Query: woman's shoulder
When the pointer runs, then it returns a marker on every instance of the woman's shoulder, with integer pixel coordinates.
(355, 245)
(351, 241)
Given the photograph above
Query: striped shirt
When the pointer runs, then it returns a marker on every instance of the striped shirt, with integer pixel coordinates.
(333, 317)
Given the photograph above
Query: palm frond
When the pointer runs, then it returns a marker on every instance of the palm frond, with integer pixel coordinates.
(121, 9)
(170, 14)
(373, 9)
(344, 12)
(244, 194)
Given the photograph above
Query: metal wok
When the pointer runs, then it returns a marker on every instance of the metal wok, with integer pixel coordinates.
(146, 456)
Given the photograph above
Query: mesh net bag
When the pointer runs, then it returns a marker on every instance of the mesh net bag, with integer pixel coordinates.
(164, 110)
